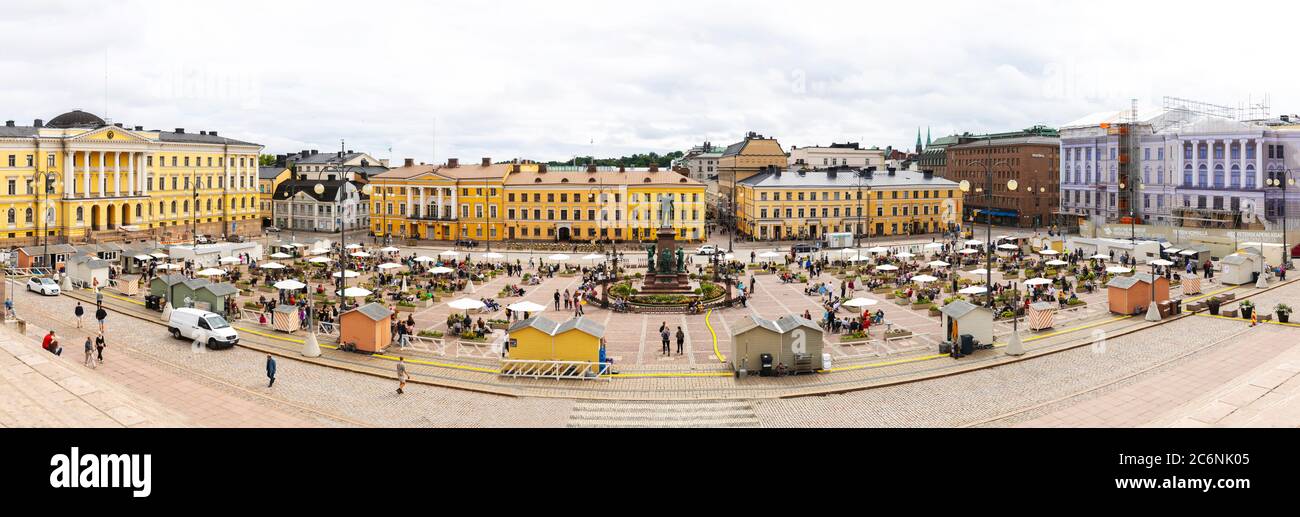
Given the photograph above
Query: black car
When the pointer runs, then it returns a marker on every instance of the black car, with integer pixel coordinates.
(466, 243)
(803, 247)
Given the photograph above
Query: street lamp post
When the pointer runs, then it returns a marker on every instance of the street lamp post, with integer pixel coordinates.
(44, 178)
(1281, 181)
(965, 186)
(194, 211)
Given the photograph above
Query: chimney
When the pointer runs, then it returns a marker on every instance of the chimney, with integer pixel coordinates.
(213, 133)
(487, 162)
(409, 162)
(541, 168)
(776, 171)
(870, 172)
(9, 123)
(38, 123)
(831, 172)
(119, 124)
(591, 167)
(180, 130)
(622, 168)
(928, 174)
(452, 163)
(349, 151)
(202, 132)
(139, 128)
(654, 167)
(891, 170)
(315, 151)
(515, 168)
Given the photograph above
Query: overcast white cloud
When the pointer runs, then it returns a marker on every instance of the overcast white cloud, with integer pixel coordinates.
(542, 80)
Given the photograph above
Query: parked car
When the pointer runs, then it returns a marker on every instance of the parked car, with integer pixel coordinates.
(272, 229)
(208, 327)
(203, 239)
(467, 243)
(44, 285)
(236, 238)
(803, 247)
(707, 249)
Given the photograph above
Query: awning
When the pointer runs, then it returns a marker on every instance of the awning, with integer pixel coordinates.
(1188, 252)
(143, 257)
(997, 213)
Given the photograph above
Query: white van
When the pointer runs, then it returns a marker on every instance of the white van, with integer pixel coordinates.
(208, 327)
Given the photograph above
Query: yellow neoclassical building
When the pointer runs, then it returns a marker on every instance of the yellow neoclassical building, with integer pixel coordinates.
(531, 201)
(110, 182)
(268, 178)
(792, 203)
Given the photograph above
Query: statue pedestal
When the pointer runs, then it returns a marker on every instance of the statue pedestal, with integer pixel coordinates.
(664, 278)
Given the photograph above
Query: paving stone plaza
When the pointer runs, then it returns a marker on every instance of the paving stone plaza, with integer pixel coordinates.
(1093, 368)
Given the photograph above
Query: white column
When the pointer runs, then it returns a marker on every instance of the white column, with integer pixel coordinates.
(117, 174)
(408, 201)
(130, 174)
(1241, 160)
(1259, 162)
(69, 186)
(85, 173)
(455, 208)
(237, 168)
(103, 181)
(424, 204)
(439, 201)
(144, 174)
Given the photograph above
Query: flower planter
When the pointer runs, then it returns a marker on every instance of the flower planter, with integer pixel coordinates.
(405, 308)
(1246, 312)
(934, 311)
(499, 325)
(1283, 317)
(853, 340)
(903, 301)
(921, 306)
(1229, 313)
(897, 334)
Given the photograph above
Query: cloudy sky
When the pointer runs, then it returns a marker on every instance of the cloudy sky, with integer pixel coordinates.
(548, 80)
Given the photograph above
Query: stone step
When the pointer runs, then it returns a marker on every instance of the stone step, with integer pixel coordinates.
(719, 413)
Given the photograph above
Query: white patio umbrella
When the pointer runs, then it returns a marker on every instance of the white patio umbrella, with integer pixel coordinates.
(1047, 252)
(924, 278)
(847, 251)
(360, 254)
(887, 267)
(593, 256)
(168, 266)
(352, 246)
(143, 258)
(974, 242)
(1101, 256)
(859, 258)
(423, 258)
(558, 257)
(877, 249)
(937, 263)
(968, 251)
(289, 284)
(271, 265)
(1160, 262)
(356, 292)
(318, 260)
(979, 272)
(465, 304)
(348, 273)
(441, 270)
(449, 253)
(974, 289)
(158, 255)
(1056, 262)
(389, 249)
(281, 255)
(389, 265)
(904, 255)
(933, 246)
(228, 260)
(1008, 246)
(212, 271)
(493, 255)
(860, 302)
(1038, 281)
(769, 254)
(526, 306)
(317, 251)
(1118, 270)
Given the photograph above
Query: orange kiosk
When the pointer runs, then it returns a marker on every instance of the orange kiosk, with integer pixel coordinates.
(369, 326)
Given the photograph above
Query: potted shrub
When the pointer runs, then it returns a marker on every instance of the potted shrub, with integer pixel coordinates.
(1283, 312)
(1247, 308)
(1213, 305)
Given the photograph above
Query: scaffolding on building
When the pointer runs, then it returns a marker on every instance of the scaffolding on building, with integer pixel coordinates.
(1249, 110)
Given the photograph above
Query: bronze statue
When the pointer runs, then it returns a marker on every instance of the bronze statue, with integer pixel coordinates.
(650, 258)
(681, 261)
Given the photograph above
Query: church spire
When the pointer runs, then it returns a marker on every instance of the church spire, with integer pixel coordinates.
(918, 139)
(927, 136)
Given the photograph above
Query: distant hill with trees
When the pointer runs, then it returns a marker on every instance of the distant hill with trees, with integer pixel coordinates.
(636, 160)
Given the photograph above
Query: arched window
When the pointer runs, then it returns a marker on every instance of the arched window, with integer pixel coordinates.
(1218, 176)
(1187, 175)
(1146, 175)
(220, 202)
(1250, 175)
(139, 210)
(1160, 173)
(81, 214)
(27, 215)
(13, 216)
(1236, 177)
(1203, 176)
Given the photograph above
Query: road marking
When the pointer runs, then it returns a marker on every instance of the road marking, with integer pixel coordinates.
(716, 352)
(1243, 320)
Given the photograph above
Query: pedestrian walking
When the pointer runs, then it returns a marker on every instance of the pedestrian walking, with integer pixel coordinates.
(663, 336)
(101, 315)
(270, 370)
(557, 299)
(401, 375)
(90, 350)
(681, 340)
(99, 347)
(79, 312)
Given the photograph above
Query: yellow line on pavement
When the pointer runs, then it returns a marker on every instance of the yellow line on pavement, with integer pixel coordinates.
(1207, 295)
(673, 374)
(443, 365)
(1072, 329)
(716, 353)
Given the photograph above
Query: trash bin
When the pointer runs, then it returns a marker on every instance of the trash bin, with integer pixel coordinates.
(765, 370)
(967, 344)
(1166, 308)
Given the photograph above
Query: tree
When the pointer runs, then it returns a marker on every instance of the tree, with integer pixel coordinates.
(266, 160)
(636, 160)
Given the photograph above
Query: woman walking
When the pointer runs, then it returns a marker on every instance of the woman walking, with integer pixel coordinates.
(99, 346)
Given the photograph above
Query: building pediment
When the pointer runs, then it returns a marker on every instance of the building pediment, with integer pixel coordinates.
(110, 134)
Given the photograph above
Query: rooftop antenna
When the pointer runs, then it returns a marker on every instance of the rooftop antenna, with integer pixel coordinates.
(106, 116)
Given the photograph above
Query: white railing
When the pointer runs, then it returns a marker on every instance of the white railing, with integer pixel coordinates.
(482, 350)
(554, 369)
(436, 346)
(28, 271)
